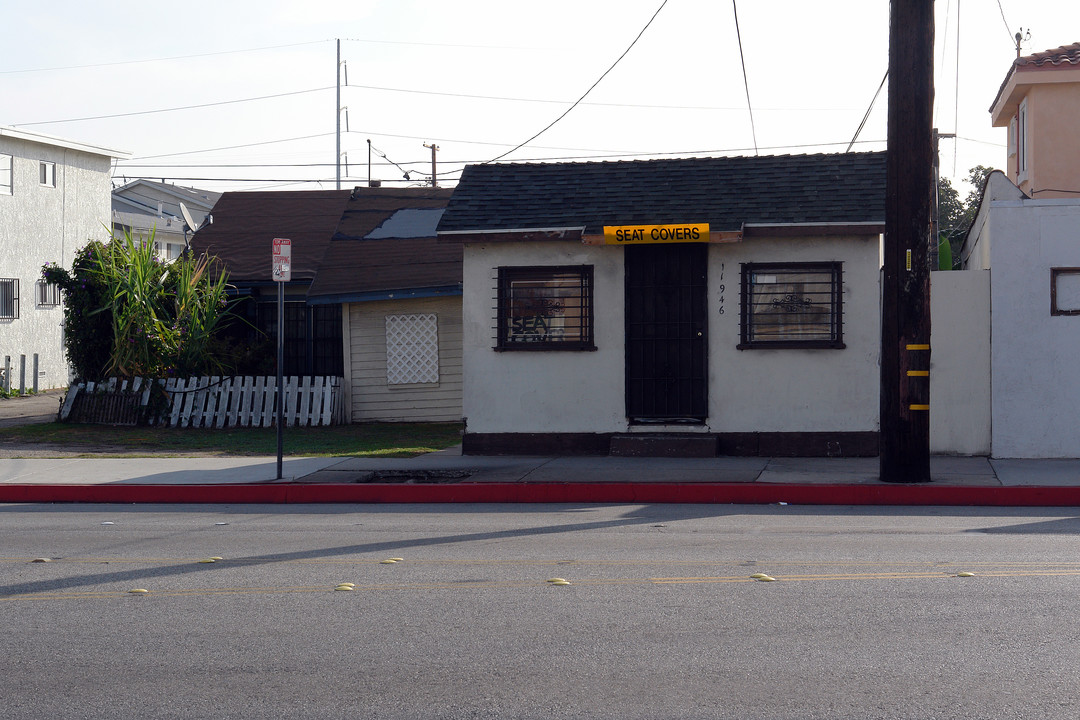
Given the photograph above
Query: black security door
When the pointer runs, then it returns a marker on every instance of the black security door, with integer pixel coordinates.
(666, 324)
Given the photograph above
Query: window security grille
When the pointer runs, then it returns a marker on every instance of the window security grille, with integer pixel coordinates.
(9, 298)
(545, 308)
(48, 294)
(792, 305)
(412, 349)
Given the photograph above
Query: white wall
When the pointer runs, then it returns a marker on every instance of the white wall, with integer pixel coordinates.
(45, 224)
(1036, 384)
(960, 362)
(749, 390)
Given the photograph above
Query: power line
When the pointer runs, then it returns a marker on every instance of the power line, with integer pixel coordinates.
(173, 109)
(746, 81)
(232, 147)
(1008, 28)
(160, 59)
(862, 123)
(591, 87)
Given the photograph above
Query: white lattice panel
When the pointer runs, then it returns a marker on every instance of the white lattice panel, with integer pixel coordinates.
(412, 349)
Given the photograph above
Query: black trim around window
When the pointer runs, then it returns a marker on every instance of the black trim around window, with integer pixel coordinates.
(545, 308)
(792, 305)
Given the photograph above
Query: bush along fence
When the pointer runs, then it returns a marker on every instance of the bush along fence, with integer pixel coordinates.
(204, 402)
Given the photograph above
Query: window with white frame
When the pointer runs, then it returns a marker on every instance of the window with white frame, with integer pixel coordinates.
(9, 298)
(5, 174)
(48, 294)
(47, 174)
(412, 349)
(1022, 140)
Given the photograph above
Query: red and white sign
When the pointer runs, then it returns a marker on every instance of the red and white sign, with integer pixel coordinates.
(282, 260)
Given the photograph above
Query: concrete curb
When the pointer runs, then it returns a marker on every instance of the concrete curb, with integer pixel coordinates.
(578, 493)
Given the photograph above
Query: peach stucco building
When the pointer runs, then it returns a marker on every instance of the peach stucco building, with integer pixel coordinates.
(1040, 102)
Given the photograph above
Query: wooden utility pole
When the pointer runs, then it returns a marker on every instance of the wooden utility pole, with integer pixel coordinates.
(905, 321)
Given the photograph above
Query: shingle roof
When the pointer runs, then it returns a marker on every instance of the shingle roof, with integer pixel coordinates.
(725, 192)
(355, 265)
(246, 223)
(327, 229)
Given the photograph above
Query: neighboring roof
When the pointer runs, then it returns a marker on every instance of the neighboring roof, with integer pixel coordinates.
(191, 197)
(141, 224)
(328, 229)
(727, 193)
(385, 246)
(42, 139)
(246, 223)
(1062, 57)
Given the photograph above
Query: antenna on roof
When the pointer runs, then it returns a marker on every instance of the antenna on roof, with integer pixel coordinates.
(190, 224)
(1022, 36)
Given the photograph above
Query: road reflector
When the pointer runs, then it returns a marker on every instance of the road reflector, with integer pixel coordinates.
(391, 561)
(398, 559)
(138, 591)
(344, 588)
(215, 558)
(41, 560)
(766, 578)
(558, 581)
(965, 574)
(758, 576)
(352, 585)
(108, 522)
(208, 560)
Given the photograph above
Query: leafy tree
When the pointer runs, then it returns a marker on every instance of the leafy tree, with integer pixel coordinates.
(955, 216)
(141, 315)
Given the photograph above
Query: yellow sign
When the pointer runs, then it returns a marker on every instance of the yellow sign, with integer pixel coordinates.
(648, 234)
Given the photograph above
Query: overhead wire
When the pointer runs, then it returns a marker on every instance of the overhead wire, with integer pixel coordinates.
(746, 81)
(174, 109)
(866, 115)
(591, 87)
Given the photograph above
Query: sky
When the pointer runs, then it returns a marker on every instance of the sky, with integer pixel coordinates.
(241, 95)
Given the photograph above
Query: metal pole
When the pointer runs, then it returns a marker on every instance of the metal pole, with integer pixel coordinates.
(35, 383)
(337, 118)
(280, 371)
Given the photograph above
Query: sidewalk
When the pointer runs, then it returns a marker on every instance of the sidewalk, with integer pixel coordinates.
(450, 477)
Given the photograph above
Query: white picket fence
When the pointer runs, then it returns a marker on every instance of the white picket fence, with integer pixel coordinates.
(204, 402)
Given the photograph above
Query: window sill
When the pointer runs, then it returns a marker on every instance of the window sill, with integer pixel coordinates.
(792, 345)
(545, 347)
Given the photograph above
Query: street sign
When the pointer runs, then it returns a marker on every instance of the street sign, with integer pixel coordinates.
(282, 260)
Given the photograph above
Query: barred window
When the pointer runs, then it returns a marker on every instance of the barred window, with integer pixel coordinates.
(9, 298)
(545, 308)
(796, 305)
(5, 174)
(48, 294)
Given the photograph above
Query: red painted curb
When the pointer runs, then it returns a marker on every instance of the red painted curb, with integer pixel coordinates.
(724, 493)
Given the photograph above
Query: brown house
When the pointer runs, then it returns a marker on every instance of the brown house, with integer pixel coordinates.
(373, 299)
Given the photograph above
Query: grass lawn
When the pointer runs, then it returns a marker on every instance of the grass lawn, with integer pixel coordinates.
(369, 440)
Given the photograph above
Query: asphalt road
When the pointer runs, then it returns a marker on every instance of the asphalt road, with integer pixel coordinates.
(867, 617)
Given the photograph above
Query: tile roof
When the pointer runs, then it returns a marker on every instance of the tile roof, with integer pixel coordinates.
(1065, 54)
(725, 192)
(1057, 57)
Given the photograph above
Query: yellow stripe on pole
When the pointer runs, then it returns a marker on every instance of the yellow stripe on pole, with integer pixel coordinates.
(919, 407)
(918, 373)
(918, 347)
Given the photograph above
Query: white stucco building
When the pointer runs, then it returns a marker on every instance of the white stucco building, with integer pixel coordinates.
(54, 197)
(678, 307)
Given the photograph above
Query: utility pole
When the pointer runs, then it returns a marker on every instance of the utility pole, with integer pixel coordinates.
(905, 320)
(434, 149)
(337, 116)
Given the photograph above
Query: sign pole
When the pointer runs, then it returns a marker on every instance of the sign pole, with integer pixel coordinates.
(280, 372)
(281, 271)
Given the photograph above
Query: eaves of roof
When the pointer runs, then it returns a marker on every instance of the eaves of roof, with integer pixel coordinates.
(728, 193)
(1064, 56)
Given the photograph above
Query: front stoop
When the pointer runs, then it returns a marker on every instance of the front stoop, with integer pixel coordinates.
(666, 445)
